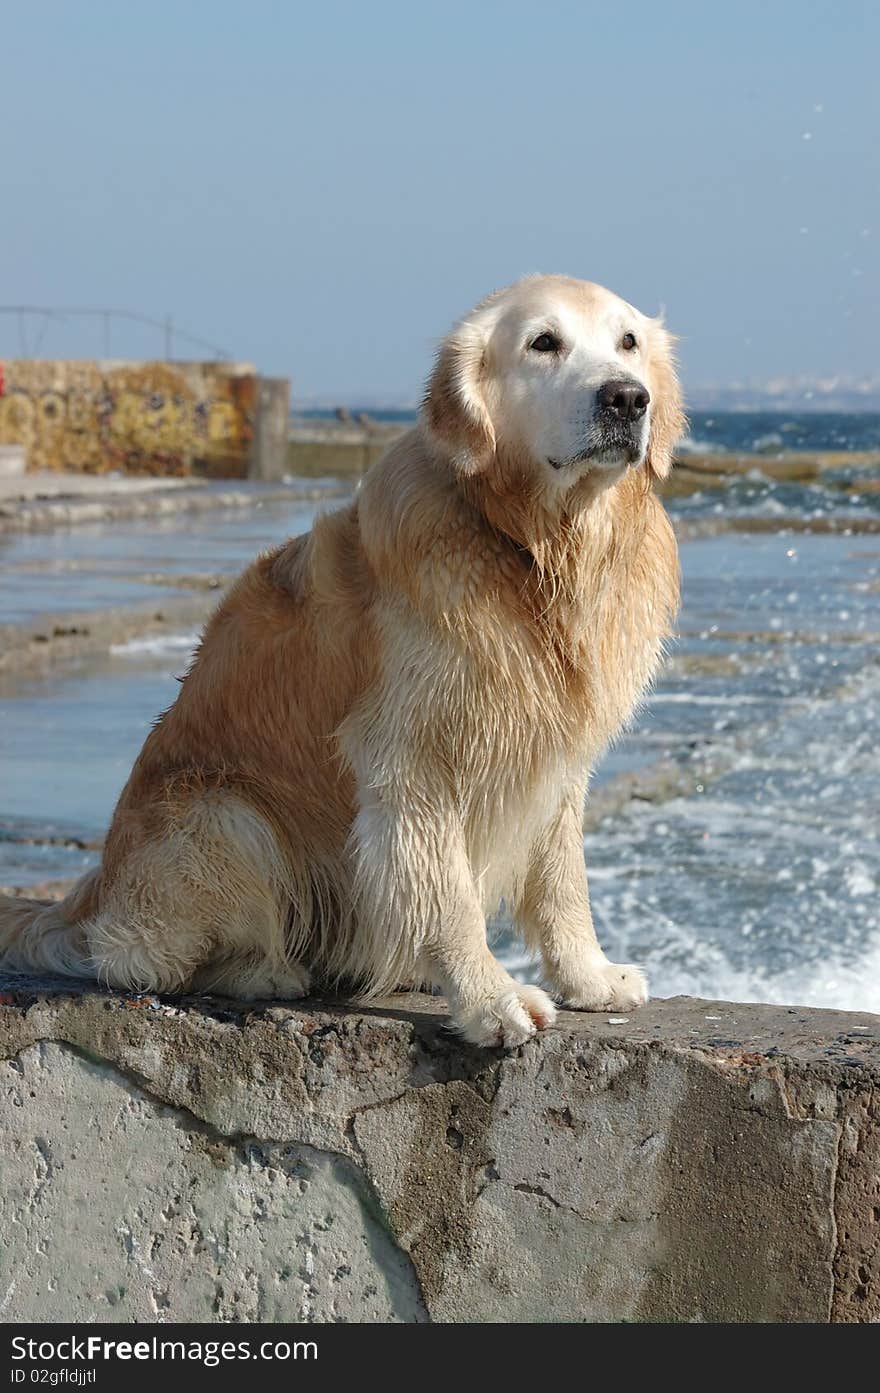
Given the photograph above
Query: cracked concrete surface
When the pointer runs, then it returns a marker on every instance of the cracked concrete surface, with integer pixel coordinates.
(197, 1160)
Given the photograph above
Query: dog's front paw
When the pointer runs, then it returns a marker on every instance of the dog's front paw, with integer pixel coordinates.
(610, 987)
(508, 1019)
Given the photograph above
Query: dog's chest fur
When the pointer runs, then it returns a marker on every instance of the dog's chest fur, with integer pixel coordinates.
(505, 667)
(504, 711)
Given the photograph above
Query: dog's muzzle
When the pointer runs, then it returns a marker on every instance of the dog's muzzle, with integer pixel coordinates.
(622, 401)
(615, 431)
(621, 405)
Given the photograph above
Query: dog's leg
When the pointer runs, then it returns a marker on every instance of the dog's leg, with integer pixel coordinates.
(201, 906)
(419, 913)
(554, 914)
(252, 978)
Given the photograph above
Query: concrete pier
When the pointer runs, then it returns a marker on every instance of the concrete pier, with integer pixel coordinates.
(197, 1160)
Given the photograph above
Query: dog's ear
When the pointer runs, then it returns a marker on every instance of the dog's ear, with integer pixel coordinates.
(668, 421)
(454, 408)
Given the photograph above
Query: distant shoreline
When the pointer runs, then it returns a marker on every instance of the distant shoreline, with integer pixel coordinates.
(326, 444)
(698, 405)
(754, 432)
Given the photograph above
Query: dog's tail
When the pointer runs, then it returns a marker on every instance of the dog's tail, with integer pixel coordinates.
(47, 935)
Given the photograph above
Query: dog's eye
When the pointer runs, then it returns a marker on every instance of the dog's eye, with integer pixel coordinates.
(629, 342)
(545, 343)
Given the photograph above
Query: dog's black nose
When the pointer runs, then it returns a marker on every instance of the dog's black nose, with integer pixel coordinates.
(625, 399)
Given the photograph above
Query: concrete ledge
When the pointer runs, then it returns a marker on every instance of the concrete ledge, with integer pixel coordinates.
(43, 501)
(199, 1161)
(13, 461)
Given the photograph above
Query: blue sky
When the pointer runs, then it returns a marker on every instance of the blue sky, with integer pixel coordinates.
(323, 189)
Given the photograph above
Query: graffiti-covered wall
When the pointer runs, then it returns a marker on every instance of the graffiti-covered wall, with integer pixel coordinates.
(153, 418)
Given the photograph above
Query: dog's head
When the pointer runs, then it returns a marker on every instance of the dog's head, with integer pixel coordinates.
(561, 376)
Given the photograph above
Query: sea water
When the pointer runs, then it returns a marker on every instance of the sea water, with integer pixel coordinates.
(748, 866)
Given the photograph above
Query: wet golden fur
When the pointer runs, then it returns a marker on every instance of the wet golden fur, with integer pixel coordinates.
(390, 724)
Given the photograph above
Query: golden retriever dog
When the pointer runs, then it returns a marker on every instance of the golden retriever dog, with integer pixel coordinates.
(390, 723)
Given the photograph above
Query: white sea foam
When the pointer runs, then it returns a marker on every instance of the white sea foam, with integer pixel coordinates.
(690, 446)
(156, 647)
(764, 886)
(833, 984)
(703, 699)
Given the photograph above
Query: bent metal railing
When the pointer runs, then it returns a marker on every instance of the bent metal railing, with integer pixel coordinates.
(35, 320)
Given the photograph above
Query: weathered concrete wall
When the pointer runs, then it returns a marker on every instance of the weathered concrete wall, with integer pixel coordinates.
(13, 461)
(345, 453)
(155, 418)
(699, 1161)
(271, 429)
